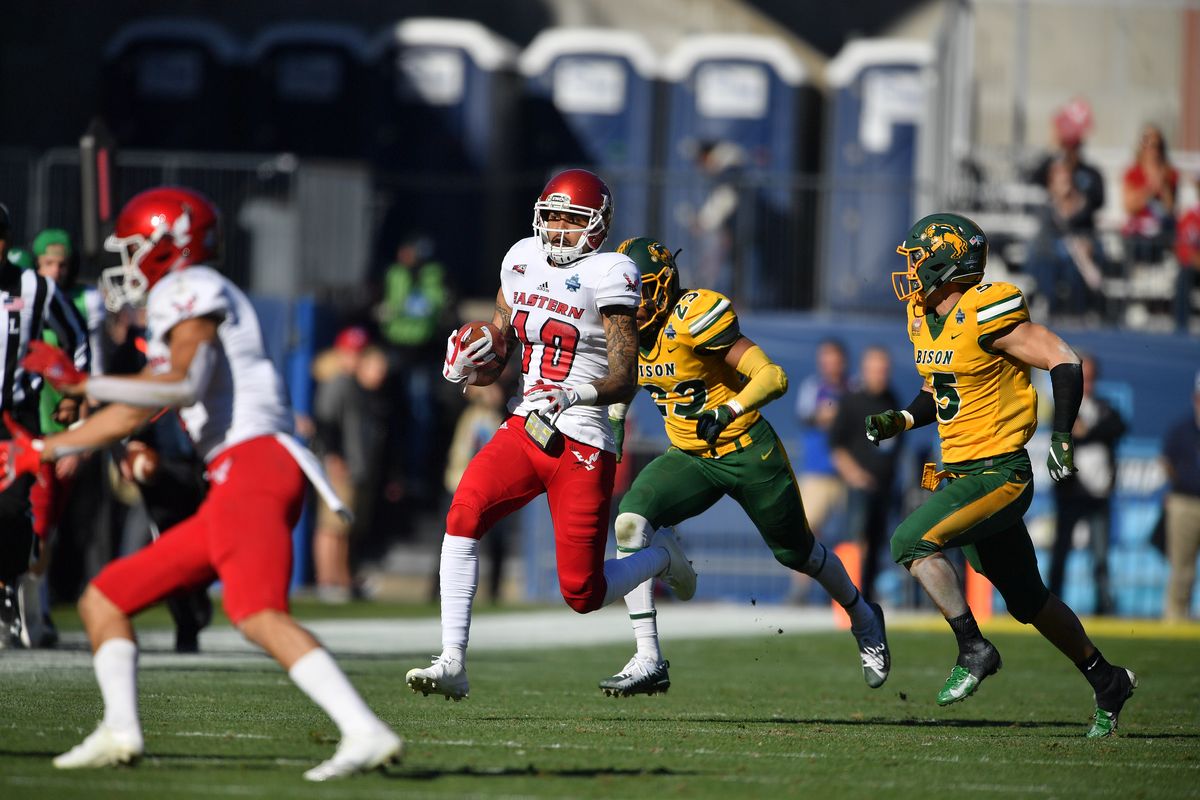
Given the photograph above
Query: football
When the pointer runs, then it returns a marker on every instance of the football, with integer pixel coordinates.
(489, 372)
(140, 463)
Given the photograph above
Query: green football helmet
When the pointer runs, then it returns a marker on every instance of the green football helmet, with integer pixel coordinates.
(660, 279)
(940, 248)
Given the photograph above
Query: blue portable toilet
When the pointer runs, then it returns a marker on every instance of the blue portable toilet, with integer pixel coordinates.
(172, 83)
(589, 101)
(304, 92)
(740, 110)
(443, 94)
(879, 91)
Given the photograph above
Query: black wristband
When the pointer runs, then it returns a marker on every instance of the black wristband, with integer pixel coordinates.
(1067, 382)
(922, 409)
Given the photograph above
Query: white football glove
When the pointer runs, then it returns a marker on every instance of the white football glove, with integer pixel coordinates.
(461, 361)
(550, 399)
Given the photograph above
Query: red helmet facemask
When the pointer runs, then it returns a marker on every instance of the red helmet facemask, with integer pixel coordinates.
(157, 232)
(575, 191)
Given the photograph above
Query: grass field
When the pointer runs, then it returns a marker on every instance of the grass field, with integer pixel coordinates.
(772, 715)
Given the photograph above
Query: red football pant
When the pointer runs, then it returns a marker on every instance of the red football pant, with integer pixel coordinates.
(511, 470)
(242, 534)
(48, 499)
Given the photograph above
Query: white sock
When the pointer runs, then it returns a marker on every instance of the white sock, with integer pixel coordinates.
(115, 663)
(460, 580)
(633, 534)
(623, 575)
(830, 572)
(319, 677)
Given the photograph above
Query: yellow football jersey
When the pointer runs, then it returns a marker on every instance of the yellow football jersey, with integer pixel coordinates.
(986, 405)
(685, 370)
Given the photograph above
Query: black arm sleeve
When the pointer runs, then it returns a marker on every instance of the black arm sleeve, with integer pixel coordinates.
(1067, 382)
(922, 409)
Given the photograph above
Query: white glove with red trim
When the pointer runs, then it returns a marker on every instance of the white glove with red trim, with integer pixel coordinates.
(550, 399)
(462, 360)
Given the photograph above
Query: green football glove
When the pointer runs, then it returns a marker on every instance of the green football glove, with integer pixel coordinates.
(884, 426)
(710, 423)
(618, 432)
(1061, 458)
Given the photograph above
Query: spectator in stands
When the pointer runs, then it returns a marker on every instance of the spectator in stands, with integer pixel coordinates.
(817, 407)
(1066, 258)
(713, 219)
(868, 470)
(1181, 452)
(339, 442)
(414, 309)
(1148, 193)
(1086, 496)
(1187, 252)
(351, 409)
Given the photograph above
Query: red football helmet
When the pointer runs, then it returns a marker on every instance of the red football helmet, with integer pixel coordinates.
(575, 191)
(158, 231)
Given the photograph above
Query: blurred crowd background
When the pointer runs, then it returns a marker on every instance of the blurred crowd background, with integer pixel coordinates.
(373, 161)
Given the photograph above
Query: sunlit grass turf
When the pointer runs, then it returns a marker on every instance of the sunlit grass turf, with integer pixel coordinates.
(777, 716)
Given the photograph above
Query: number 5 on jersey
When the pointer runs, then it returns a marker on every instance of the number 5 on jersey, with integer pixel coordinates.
(946, 395)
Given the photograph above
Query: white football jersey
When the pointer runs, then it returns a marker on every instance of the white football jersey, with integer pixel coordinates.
(556, 315)
(245, 397)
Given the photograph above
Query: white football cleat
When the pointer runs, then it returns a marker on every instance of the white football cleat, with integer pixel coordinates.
(447, 676)
(640, 676)
(360, 752)
(679, 574)
(105, 747)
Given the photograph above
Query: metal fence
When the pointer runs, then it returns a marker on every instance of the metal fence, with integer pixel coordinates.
(287, 228)
(297, 226)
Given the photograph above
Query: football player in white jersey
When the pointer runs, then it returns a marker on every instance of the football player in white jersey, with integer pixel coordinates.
(572, 309)
(207, 358)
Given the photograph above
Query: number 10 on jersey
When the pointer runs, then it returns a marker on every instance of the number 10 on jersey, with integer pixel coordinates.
(558, 340)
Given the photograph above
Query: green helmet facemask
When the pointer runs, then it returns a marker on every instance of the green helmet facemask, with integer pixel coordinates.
(660, 279)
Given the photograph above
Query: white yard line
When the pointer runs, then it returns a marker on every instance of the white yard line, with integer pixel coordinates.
(551, 627)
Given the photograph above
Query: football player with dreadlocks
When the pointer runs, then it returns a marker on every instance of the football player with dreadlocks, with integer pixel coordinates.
(709, 382)
(974, 345)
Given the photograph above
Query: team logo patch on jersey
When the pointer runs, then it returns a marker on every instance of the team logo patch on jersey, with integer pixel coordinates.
(518, 268)
(588, 463)
(544, 286)
(916, 325)
(185, 306)
(670, 333)
(573, 283)
(959, 317)
(631, 284)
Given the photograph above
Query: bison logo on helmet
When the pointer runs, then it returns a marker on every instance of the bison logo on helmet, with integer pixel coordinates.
(940, 235)
(658, 253)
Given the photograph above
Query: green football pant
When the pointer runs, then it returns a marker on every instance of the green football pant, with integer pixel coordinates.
(982, 512)
(677, 486)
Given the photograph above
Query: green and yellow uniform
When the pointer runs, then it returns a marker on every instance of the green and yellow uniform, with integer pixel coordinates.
(986, 403)
(686, 372)
(986, 414)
